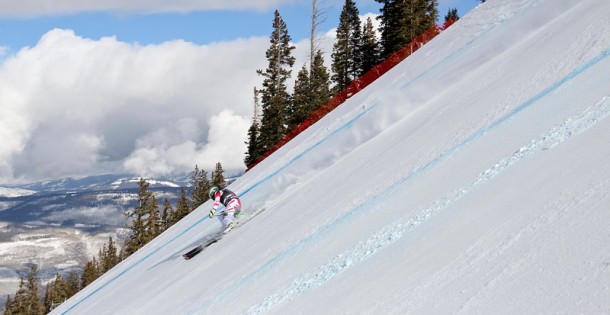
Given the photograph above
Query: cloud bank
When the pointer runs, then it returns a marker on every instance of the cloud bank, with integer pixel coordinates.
(72, 105)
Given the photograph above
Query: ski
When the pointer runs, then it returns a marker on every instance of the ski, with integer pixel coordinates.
(199, 248)
(218, 236)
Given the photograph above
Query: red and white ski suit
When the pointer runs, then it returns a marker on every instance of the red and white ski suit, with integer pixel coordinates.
(232, 205)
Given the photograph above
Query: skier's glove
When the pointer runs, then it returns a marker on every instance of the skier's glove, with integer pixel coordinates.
(212, 213)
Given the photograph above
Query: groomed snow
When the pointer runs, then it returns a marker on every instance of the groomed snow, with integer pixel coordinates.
(473, 178)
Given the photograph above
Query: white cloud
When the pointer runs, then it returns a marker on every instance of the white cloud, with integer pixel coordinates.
(37, 8)
(172, 147)
(72, 105)
(76, 106)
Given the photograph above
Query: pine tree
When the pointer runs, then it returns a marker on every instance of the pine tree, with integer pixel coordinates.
(319, 79)
(311, 90)
(152, 221)
(403, 20)
(19, 303)
(301, 98)
(57, 292)
(218, 178)
(141, 224)
(347, 52)
(8, 310)
(182, 208)
(274, 96)
(254, 153)
(73, 283)
(452, 15)
(109, 257)
(90, 272)
(370, 47)
(167, 213)
(201, 186)
(35, 306)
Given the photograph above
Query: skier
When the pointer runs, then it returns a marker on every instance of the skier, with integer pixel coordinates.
(232, 206)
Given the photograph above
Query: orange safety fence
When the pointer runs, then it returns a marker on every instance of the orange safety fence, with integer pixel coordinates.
(358, 84)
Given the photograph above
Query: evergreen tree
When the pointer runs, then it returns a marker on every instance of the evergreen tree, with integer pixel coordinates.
(27, 300)
(252, 155)
(142, 226)
(90, 272)
(182, 208)
(109, 256)
(152, 220)
(301, 98)
(73, 282)
(452, 15)
(319, 83)
(370, 47)
(201, 186)
(218, 178)
(347, 51)
(311, 90)
(254, 152)
(274, 95)
(8, 305)
(34, 305)
(403, 20)
(57, 292)
(167, 213)
(20, 302)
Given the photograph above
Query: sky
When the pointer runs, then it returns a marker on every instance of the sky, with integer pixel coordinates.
(472, 178)
(141, 87)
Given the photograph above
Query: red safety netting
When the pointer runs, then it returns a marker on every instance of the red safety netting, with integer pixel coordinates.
(358, 84)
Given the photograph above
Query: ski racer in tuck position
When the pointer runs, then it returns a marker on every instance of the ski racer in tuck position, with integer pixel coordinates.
(232, 206)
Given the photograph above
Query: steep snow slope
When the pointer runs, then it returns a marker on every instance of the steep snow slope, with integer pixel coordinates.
(472, 178)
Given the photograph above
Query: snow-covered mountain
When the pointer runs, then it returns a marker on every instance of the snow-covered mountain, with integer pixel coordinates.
(473, 178)
(63, 223)
(60, 224)
(104, 182)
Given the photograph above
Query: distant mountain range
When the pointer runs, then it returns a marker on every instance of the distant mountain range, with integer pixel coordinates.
(93, 202)
(60, 224)
(102, 182)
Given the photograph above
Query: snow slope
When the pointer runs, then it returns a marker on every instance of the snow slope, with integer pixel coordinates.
(473, 178)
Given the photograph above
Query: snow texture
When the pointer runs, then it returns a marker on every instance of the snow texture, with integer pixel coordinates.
(470, 179)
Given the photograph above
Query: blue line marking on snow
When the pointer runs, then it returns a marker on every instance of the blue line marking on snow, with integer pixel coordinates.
(307, 150)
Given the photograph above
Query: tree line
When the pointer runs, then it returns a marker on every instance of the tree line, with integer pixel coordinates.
(145, 222)
(356, 50)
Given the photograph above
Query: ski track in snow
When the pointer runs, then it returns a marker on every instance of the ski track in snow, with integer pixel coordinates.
(517, 267)
(392, 232)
